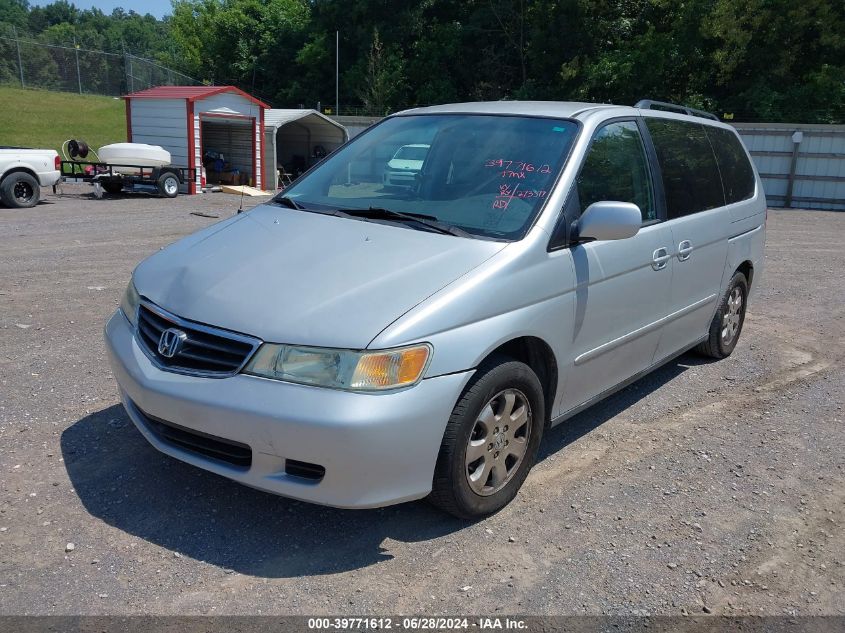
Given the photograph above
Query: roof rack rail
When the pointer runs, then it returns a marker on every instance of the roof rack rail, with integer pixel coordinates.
(648, 104)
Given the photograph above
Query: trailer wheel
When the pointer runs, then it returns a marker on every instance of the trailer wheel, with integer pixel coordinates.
(20, 190)
(112, 188)
(168, 185)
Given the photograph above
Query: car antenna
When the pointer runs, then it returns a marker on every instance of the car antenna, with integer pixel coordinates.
(255, 129)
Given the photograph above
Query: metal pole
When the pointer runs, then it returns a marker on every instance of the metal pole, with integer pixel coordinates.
(125, 87)
(797, 137)
(78, 76)
(20, 64)
(337, 73)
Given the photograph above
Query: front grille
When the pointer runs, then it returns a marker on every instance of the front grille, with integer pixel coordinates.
(206, 351)
(229, 451)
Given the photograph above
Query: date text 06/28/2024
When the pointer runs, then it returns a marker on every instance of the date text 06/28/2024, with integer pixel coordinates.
(419, 623)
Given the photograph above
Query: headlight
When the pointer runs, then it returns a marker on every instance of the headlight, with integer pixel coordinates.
(129, 303)
(341, 369)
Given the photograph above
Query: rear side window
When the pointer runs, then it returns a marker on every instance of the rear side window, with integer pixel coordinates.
(736, 171)
(690, 175)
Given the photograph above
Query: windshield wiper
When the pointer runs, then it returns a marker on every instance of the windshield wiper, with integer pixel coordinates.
(289, 202)
(293, 204)
(379, 213)
(429, 221)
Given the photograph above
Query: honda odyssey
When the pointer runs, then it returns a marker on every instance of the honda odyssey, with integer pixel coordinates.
(358, 345)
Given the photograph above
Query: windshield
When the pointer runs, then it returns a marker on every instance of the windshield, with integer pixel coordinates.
(488, 175)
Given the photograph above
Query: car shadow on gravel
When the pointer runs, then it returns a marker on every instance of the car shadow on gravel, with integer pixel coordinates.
(126, 483)
(593, 417)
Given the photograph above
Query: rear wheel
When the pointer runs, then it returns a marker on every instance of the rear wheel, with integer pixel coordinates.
(728, 321)
(491, 440)
(168, 185)
(20, 190)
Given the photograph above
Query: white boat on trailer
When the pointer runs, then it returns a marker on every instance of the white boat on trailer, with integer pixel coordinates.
(124, 166)
(127, 158)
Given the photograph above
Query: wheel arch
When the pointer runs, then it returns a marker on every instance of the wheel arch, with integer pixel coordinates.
(172, 170)
(20, 169)
(747, 269)
(539, 356)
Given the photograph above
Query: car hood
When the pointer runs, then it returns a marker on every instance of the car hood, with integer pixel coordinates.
(290, 276)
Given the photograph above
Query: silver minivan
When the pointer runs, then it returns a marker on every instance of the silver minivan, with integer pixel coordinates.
(358, 345)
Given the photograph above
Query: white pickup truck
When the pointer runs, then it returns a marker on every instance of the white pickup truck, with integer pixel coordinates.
(23, 172)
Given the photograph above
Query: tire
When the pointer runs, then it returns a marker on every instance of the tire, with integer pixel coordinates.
(168, 185)
(20, 190)
(728, 321)
(469, 490)
(112, 188)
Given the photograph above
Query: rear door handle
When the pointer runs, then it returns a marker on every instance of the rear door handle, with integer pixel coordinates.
(684, 250)
(659, 258)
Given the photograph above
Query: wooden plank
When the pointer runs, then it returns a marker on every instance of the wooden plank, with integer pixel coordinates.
(244, 190)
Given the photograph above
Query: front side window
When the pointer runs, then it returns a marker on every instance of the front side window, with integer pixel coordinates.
(487, 175)
(688, 167)
(616, 169)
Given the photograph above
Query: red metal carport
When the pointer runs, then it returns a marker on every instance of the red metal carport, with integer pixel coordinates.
(174, 117)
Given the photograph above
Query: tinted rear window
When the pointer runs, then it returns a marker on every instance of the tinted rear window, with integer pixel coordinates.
(736, 171)
(690, 175)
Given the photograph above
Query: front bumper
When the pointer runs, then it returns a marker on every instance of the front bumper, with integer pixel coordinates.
(400, 178)
(377, 449)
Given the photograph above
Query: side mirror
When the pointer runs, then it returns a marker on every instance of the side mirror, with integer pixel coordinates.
(609, 220)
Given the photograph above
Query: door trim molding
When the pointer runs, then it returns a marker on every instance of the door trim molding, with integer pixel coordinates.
(646, 329)
(608, 392)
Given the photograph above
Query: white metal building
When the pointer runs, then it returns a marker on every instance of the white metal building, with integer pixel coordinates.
(191, 121)
(802, 165)
(296, 139)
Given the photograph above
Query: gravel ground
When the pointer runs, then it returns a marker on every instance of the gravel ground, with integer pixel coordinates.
(705, 487)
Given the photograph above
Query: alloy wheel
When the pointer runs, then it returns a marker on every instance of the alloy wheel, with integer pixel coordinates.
(498, 442)
(732, 318)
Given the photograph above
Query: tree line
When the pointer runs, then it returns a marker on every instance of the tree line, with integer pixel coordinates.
(754, 60)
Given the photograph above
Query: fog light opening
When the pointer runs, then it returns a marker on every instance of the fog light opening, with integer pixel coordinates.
(304, 470)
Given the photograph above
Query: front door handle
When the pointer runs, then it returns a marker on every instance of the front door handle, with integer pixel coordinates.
(684, 250)
(659, 258)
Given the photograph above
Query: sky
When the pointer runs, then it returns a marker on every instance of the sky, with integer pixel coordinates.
(158, 8)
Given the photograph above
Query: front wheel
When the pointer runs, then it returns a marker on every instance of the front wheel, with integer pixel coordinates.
(727, 323)
(491, 440)
(168, 185)
(20, 190)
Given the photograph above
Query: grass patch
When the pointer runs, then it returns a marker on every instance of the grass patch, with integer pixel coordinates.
(44, 119)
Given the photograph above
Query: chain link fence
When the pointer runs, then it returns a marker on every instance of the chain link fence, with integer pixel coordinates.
(28, 64)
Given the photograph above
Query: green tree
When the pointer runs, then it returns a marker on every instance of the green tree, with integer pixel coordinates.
(383, 85)
(232, 41)
(14, 13)
(779, 60)
(759, 59)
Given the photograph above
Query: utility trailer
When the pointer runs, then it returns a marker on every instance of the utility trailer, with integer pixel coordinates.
(116, 178)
